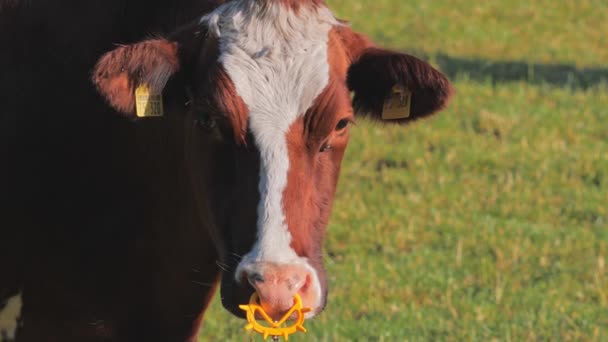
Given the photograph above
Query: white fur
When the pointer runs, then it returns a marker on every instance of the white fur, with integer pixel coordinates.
(277, 60)
(9, 316)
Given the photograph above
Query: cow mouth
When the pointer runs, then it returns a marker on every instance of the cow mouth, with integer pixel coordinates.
(235, 293)
(276, 315)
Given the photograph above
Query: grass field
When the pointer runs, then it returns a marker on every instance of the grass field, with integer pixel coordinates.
(490, 221)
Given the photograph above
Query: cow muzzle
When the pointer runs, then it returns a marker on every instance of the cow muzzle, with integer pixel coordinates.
(277, 284)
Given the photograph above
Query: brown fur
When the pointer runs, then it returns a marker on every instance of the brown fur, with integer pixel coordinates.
(119, 72)
(313, 175)
(355, 64)
(377, 71)
(99, 229)
(352, 43)
(119, 231)
(216, 95)
(7, 4)
(374, 71)
(232, 104)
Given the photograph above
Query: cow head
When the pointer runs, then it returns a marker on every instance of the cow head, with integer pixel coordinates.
(270, 107)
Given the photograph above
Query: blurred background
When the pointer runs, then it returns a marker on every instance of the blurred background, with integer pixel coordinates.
(490, 220)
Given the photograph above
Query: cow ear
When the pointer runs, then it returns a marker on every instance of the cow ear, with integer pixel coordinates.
(385, 81)
(119, 72)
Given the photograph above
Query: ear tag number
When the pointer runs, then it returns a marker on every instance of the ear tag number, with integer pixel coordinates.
(398, 104)
(148, 104)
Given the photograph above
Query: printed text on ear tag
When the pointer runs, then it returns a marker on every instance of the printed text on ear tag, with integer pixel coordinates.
(398, 104)
(148, 104)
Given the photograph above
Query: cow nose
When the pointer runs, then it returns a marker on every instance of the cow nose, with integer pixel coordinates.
(276, 286)
(254, 278)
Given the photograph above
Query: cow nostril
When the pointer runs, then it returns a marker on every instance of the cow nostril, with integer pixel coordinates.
(296, 282)
(306, 283)
(255, 278)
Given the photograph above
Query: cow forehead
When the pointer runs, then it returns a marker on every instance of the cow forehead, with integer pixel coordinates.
(276, 58)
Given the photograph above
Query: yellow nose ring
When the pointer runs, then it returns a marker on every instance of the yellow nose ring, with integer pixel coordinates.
(275, 328)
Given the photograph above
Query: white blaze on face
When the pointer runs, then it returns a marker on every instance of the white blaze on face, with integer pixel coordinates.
(277, 60)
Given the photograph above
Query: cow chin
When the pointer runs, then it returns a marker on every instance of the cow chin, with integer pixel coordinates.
(234, 294)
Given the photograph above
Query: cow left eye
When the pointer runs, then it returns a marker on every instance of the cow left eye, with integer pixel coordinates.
(325, 147)
(206, 123)
(342, 124)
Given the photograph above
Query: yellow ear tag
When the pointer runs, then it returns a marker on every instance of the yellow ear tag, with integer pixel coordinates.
(148, 104)
(275, 328)
(398, 105)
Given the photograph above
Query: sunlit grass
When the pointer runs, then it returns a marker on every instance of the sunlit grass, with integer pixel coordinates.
(536, 31)
(489, 221)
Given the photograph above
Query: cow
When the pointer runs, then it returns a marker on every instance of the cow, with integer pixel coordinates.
(120, 227)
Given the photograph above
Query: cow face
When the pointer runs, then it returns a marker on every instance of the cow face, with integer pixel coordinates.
(270, 87)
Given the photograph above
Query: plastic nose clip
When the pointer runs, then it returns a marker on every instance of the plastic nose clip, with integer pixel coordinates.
(275, 328)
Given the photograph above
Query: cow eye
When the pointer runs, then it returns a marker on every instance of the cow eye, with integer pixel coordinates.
(325, 147)
(206, 123)
(342, 124)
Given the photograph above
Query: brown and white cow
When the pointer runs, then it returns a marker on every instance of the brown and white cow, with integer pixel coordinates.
(237, 177)
(270, 80)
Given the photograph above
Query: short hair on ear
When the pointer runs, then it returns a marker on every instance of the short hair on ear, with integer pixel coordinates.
(118, 72)
(375, 72)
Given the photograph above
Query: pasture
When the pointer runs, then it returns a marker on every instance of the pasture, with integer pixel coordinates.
(489, 221)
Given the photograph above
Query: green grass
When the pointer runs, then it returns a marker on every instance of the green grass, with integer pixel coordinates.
(489, 221)
(538, 30)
